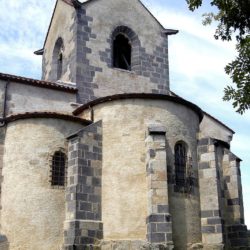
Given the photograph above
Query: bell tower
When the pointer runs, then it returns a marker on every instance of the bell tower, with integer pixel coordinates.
(107, 48)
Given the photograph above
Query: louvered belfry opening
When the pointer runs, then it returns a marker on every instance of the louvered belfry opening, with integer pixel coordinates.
(58, 169)
(122, 52)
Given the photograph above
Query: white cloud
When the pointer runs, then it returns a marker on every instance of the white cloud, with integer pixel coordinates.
(23, 25)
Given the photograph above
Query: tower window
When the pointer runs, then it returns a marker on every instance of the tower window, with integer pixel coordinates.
(180, 164)
(58, 169)
(122, 52)
(57, 60)
(59, 65)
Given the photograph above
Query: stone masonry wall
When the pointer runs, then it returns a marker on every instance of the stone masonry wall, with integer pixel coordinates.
(83, 225)
(3, 87)
(88, 32)
(125, 195)
(222, 215)
(159, 225)
(210, 194)
(62, 26)
(23, 98)
(236, 231)
(33, 211)
(95, 75)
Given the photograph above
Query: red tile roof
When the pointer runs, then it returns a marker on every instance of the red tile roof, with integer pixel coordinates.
(38, 83)
(144, 96)
(45, 114)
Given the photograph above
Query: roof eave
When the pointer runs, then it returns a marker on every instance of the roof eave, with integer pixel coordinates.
(170, 32)
(152, 96)
(38, 83)
(39, 52)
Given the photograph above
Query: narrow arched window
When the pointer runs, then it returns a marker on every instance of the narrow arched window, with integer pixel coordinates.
(180, 154)
(59, 65)
(57, 60)
(58, 169)
(122, 52)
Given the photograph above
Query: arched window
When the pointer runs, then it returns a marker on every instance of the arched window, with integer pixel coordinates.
(122, 52)
(58, 169)
(58, 59)
(59, 64)
(180, 154)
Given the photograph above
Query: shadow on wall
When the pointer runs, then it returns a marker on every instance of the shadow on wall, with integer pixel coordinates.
(177, 205)
(248, 234)
(4, 244)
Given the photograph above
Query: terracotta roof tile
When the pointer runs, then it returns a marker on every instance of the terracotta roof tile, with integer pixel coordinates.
(38, 83)
(145, 96)
(45, 114)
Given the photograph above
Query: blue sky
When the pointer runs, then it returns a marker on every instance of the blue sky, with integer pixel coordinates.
(196, 60)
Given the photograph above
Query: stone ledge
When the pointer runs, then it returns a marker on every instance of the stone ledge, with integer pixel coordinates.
(133, 245)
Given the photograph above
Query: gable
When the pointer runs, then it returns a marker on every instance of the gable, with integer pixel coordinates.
(138, 1)
(76, 3)
(107, 15)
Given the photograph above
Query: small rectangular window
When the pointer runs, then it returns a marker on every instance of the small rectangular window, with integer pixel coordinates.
(58, 169)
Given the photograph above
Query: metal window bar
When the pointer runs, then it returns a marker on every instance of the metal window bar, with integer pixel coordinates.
(58, 169)
(184, 179)
(180, 165)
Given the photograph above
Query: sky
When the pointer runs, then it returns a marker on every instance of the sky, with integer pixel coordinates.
(196, 61)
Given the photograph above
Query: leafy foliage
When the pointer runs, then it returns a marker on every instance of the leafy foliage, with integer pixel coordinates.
(239, 71)
(233, 19)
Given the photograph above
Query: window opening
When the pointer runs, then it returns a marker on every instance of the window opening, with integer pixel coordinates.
(122, 52)
(59, 64)
(57, 59)
(180, 164)
(58, 175)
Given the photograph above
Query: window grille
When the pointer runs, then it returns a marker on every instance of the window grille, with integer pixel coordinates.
(58, 169)
(122, 52)
(180, 164)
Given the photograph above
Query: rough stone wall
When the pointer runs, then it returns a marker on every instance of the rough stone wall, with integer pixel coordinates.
(95, 75)
(235, 230)
(124, 199)
(32, 211)
(2, 94)
(83, 225)
(3, 87)
(222, 215)
(159, 224)
(211, 128)
(63, 25)
(24, 98)
(210, 194)
(87, 57)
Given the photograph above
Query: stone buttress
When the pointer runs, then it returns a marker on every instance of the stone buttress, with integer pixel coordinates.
(159, 226)
(83, 225)
(222, 217)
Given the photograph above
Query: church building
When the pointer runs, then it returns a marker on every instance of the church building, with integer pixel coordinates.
(101, 154)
